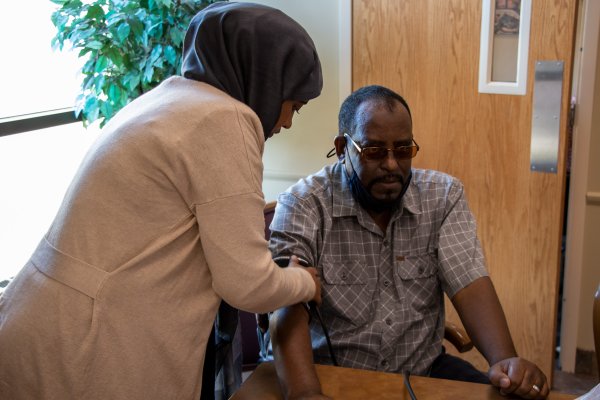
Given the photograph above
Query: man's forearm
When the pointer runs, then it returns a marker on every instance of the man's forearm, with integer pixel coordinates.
(292, 349)
(481, 314)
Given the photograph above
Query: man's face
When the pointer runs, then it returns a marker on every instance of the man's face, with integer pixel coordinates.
(377, 126)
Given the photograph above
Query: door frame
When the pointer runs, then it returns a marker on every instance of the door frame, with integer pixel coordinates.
(585, 77)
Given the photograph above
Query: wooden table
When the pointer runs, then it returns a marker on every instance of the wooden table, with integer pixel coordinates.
(350, 384)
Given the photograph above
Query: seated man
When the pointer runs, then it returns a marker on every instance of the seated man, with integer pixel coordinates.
(388, 241)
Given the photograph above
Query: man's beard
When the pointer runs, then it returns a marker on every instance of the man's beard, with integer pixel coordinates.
(364, 197)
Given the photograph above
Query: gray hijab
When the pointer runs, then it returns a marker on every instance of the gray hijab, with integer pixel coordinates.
(254, 53)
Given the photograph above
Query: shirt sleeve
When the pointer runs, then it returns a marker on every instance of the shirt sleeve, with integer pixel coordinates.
(459, 251)
(294, 229)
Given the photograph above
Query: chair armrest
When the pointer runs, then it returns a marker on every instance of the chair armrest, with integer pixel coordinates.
(458, 337)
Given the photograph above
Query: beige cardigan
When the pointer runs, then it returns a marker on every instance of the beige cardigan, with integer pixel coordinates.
(162, 221)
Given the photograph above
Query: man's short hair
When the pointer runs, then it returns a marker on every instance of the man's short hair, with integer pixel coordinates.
(347, 120)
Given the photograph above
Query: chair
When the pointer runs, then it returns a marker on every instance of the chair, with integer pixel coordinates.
(251, 322)
(458, 337)
(596, 322)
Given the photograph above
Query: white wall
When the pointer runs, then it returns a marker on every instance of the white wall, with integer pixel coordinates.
(300, 151)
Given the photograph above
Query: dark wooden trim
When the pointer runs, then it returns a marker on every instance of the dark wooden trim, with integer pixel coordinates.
(31, 122)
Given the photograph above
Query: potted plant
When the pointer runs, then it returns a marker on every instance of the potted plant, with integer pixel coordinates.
(130, 46)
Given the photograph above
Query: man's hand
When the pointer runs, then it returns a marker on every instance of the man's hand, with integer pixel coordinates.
(295, 262)
(481, 313)
(519, 376)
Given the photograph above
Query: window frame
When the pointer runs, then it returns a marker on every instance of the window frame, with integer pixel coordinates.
(39, 120)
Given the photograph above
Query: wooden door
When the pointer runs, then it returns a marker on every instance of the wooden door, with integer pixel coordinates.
(428, 51)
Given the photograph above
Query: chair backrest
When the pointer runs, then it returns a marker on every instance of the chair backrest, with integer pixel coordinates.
(596, 322)
(269, 211)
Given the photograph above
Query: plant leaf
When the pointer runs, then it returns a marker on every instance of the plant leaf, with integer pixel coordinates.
(88, 67)
(55, 43)
(99, 84)
(148, 72)
(156, 52)
(94, 44)
(95, 12)
(59, 19)
(164, 3)
(83, 52)
(128, 47)
(82, 35)
(133, 80)
(114, 92)
(115, 57)
(101, 64)
(106, 109)
(90, 109)
(123, 31)
(72, 5)
(176, 36)
(136, 26)
(170, 55)
(113, 18)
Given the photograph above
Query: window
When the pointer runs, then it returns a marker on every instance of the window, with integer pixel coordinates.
(504, 46)
(33, 77)
(36, 166)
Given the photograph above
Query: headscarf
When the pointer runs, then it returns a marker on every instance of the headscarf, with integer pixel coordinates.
(254, 53)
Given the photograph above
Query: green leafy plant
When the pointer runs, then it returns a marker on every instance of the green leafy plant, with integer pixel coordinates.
(130, 46)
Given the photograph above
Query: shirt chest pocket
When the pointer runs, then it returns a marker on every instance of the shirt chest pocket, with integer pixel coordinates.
(417, 282)
(347, 290)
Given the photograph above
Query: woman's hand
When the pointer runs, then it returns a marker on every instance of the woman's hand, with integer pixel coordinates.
(295, 262)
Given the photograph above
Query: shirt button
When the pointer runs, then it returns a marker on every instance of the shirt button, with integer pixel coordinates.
(421, 270)
(384, 363)
(344, 276)
(388, 321)
(386, 283)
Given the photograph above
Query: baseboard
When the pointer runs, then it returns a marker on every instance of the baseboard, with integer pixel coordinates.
(586, 363)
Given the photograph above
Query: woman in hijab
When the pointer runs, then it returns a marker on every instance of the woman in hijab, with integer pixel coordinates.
(162, 221)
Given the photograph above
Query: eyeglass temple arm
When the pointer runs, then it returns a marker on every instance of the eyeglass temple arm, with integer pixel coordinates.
(354, 143)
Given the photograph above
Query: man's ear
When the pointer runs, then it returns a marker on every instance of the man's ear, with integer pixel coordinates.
(340, 146)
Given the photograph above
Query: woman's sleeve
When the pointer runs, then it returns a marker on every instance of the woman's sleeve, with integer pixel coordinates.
(244, 275)
(228, 203)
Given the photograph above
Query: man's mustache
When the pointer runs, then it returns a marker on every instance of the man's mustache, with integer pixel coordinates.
(389, 178)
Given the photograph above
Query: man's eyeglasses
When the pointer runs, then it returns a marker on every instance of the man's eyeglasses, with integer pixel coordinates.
(379, 153)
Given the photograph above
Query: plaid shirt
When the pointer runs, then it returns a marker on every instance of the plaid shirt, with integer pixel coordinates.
(382, 291)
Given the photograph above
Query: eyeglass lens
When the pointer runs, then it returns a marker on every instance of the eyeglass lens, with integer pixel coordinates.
(400, 153)
(379, 153)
